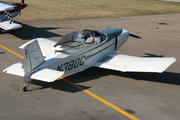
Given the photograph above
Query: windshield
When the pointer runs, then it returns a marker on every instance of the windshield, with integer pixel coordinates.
(70, 37)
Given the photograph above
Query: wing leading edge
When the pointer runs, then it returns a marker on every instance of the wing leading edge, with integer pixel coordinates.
(126, 63)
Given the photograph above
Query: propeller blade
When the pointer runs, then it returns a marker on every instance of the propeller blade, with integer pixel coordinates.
(132, 35)
(19, 14)
(152, 55)
(111, 28)
(135, 36)
(22, 1)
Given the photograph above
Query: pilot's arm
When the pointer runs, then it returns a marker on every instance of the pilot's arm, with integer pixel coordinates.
(97, 40)
(80, 40)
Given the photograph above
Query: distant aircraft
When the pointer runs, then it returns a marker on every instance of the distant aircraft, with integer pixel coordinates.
(7, 12)
(46, 60)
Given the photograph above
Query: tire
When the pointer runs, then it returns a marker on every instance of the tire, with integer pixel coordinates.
(25, 89)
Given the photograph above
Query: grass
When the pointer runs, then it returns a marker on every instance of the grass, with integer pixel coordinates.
(45, 10)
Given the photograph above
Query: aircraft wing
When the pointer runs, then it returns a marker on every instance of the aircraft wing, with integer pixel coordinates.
(5, 6)
(126, 63)
(6, 25)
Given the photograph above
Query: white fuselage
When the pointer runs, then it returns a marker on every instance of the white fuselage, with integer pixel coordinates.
(72, 61)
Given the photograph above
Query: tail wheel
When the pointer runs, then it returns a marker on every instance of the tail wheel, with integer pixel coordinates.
(24, 89)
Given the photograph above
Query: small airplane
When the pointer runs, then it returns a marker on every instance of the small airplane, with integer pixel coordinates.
(7, 12)
(47, 60)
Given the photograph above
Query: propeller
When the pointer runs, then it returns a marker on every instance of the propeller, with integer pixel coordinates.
(135, 36)
(132, 35)
(152, 55)
(19, 14)
(22, 1)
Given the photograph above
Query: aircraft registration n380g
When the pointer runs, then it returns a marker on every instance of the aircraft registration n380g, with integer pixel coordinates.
(46, 60)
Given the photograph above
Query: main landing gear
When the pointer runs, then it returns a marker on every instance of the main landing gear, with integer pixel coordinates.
(26, 87)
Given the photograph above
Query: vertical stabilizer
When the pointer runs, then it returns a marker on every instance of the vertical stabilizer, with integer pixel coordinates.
(32, 58)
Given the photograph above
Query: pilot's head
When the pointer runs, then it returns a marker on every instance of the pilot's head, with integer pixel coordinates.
(92, 34)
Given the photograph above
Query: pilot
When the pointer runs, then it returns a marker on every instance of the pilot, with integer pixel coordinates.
(92, 38)
(81, 38)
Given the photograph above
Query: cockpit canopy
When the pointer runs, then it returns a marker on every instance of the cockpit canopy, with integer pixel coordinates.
(73, 35)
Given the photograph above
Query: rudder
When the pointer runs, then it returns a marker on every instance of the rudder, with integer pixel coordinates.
(32, 58)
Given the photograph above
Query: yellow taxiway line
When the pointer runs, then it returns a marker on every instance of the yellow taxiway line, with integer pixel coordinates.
(12, 51)
(84, 90)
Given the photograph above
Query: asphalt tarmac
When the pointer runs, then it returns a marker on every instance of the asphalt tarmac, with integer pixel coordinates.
(172, 0)
(145, 96)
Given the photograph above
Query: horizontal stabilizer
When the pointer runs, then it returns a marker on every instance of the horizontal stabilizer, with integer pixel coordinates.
(15, 69)
(47, 75)
(7, 26)
(126, 63)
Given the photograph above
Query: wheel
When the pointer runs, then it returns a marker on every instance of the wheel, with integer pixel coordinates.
(25, 89)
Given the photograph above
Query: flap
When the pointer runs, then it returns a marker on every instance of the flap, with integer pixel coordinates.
(47, 75)
(15, 69)
(126, 63)
(7, 26)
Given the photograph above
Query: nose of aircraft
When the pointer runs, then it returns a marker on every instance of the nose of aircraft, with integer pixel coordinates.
(122, 38)
(23, 5)
(125, 34)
